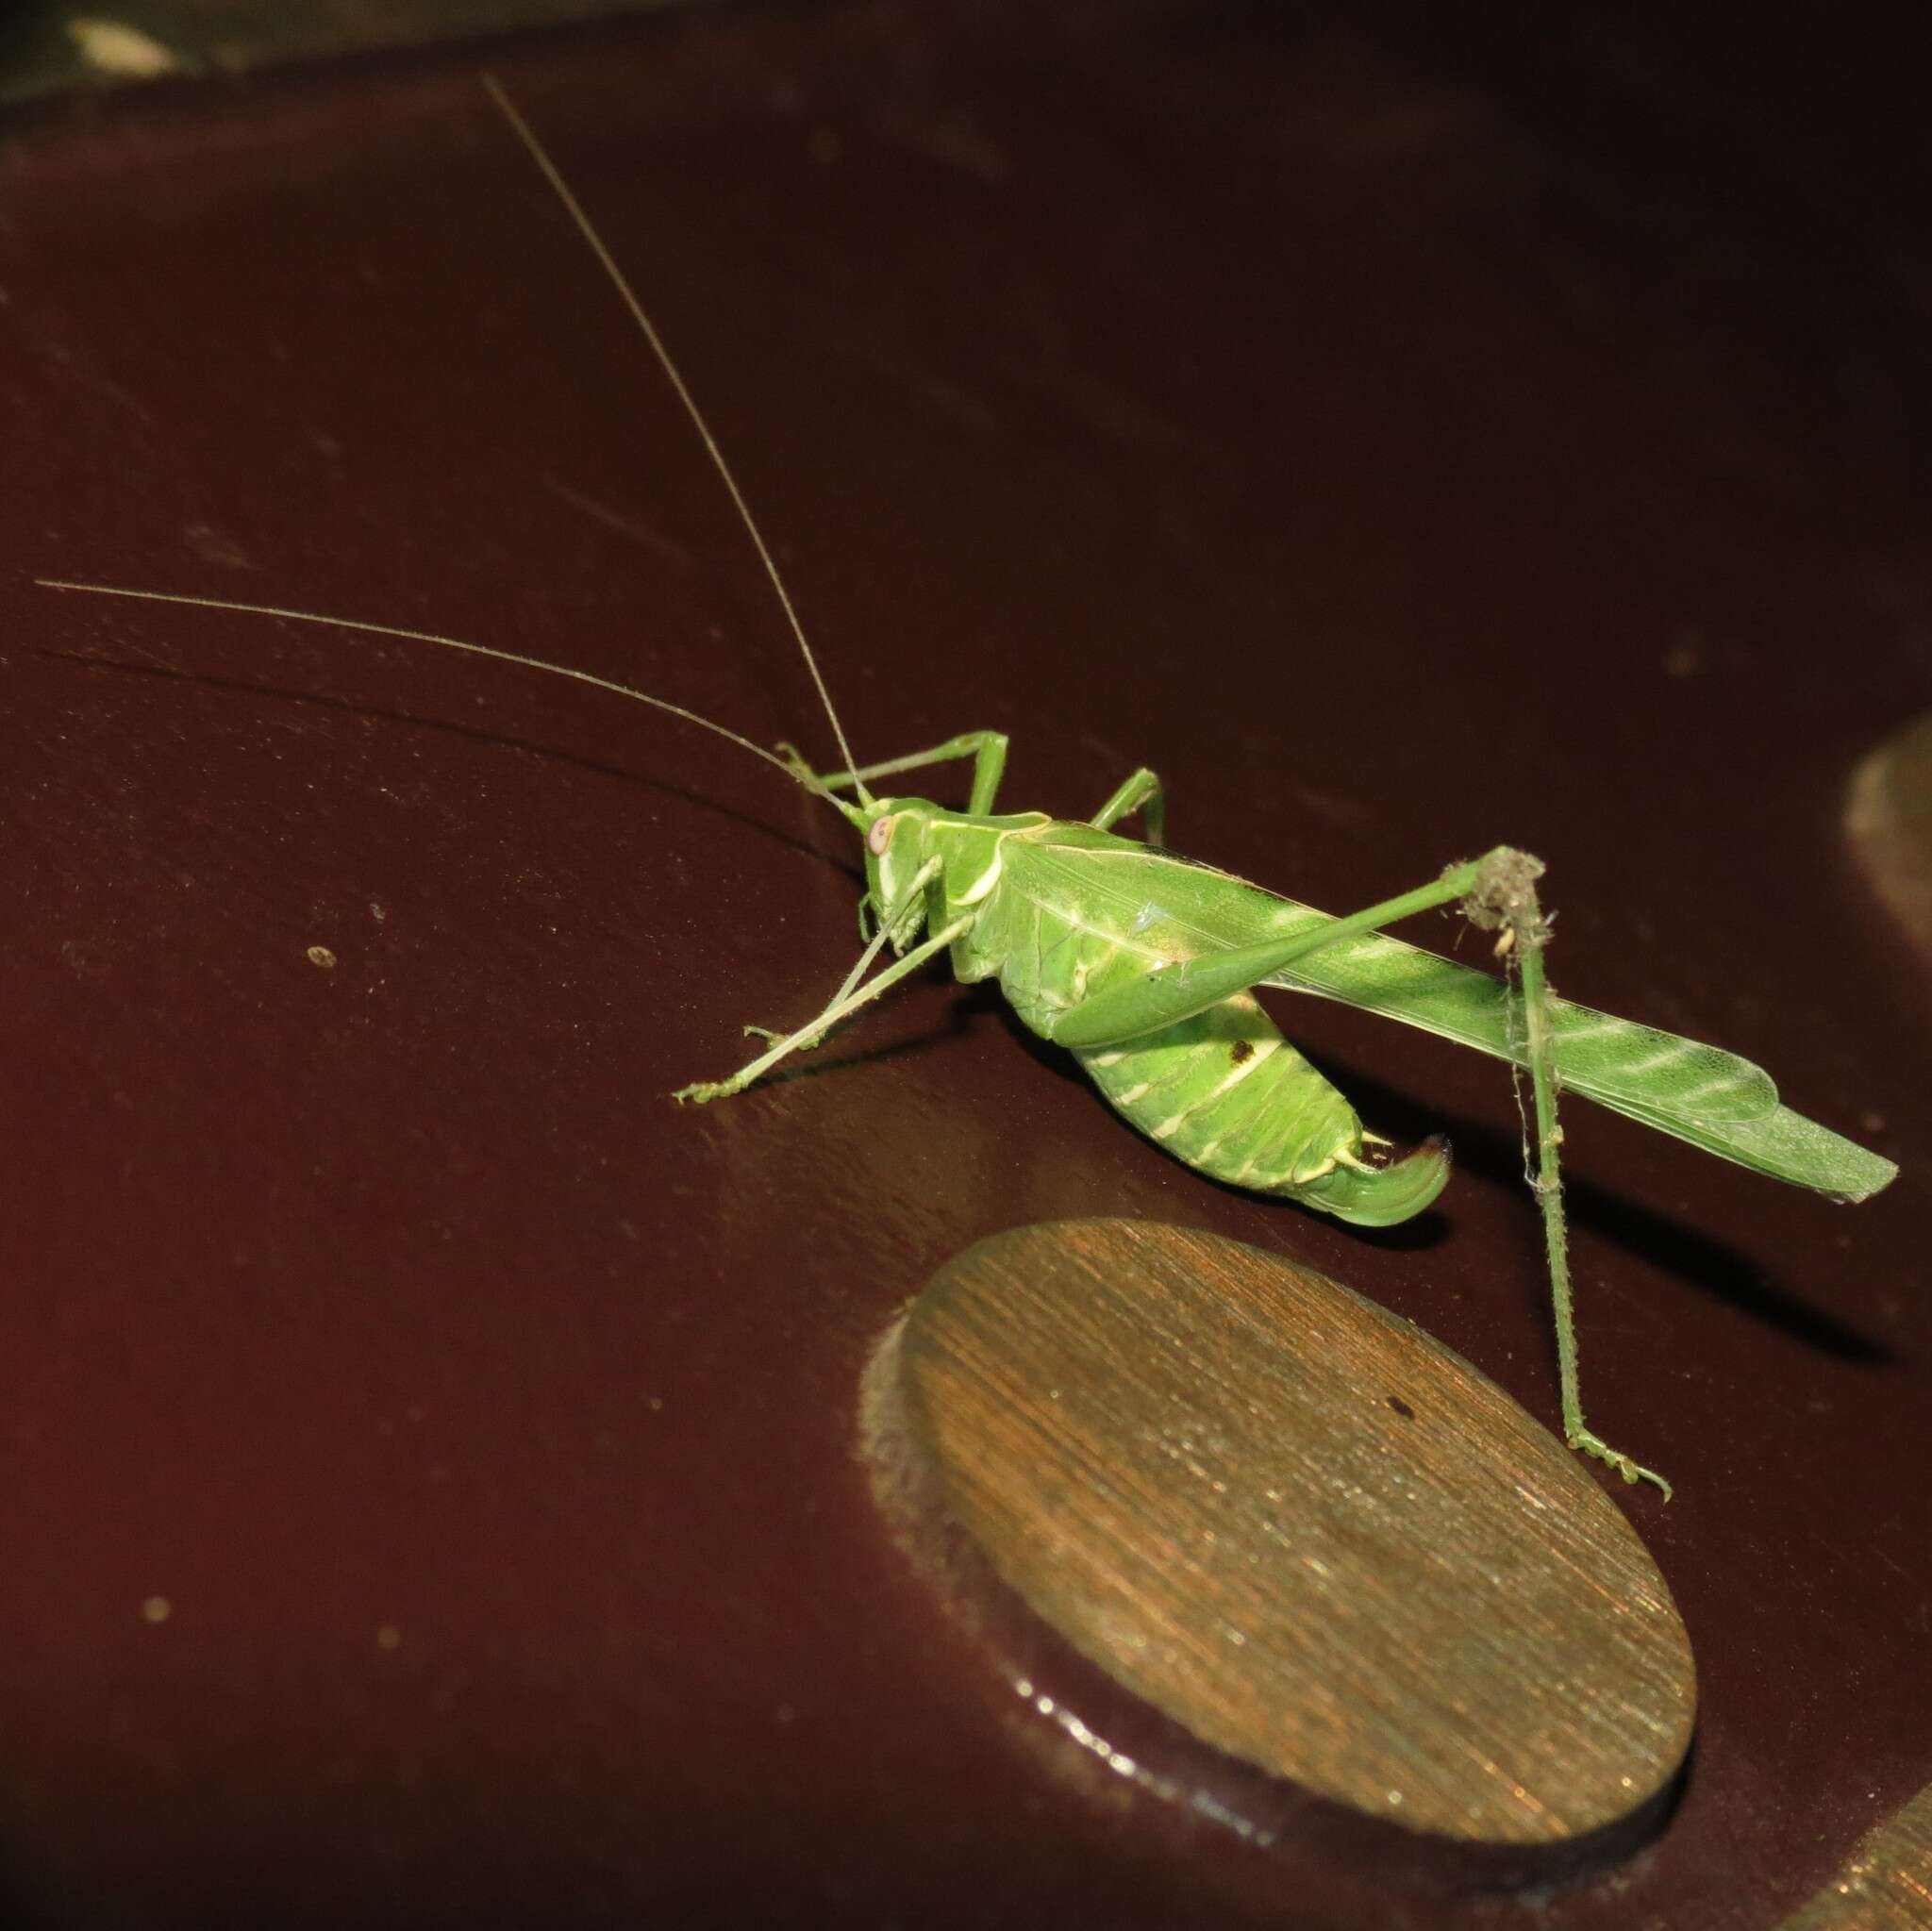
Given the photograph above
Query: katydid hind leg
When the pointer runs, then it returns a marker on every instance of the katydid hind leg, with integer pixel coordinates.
(1504, 901)
(1362, 1192)
(1497, 892)
(1169, 995)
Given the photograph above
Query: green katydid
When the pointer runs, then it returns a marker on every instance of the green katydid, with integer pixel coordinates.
(1143, 964)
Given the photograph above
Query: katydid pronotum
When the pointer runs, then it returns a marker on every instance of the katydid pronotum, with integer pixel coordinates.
(1144, 965)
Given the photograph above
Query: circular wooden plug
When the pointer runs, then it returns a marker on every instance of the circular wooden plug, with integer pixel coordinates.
(1298, 1527)
(1889, 820)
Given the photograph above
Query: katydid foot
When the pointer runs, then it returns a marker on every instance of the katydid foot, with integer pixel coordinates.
(1583, 1442)
(701, 1092)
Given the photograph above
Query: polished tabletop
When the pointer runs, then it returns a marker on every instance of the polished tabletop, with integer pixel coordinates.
(428, 1462)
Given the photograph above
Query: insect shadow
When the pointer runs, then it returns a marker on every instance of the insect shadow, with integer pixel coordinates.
(1647, 1234)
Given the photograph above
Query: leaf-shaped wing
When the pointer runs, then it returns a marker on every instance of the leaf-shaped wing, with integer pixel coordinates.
(1702, 1094)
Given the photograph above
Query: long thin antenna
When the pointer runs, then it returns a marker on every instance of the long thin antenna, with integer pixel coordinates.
(796, 772)
(574, 209)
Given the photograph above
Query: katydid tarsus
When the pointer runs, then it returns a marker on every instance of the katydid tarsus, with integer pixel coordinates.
(1144, 966)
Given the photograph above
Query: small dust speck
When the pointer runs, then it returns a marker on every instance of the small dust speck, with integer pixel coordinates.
(156, 1609)
(1684, 658)
(377, 912)
(389, 1637)
(320, 956)
(1401, 1408)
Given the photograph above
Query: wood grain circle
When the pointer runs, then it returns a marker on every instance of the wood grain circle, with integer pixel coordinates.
(1296, 1525)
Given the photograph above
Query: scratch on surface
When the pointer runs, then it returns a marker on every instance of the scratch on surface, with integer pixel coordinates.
(953, 140)
(85, 376)
(611, 518)
(215, 545)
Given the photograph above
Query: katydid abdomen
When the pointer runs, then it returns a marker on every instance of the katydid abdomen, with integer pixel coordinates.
(1227, 1093)
(1221, 1091)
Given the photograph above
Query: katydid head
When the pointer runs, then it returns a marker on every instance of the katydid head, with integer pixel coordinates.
(898, 845)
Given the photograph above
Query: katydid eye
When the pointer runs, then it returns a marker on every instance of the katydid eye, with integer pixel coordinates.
(880, 836)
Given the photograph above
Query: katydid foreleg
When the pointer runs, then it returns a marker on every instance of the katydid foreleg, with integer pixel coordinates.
(842, 1007)
(874, 946)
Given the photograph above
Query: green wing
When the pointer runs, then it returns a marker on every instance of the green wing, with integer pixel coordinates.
(1700, 1093)
(1159, 903)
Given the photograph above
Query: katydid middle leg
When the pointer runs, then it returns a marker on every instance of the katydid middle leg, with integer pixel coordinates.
(1142, 793)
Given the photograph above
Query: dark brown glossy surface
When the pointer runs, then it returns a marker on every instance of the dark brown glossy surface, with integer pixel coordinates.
(1403, 446)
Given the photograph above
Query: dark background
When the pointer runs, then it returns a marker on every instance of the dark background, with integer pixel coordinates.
(1406, 439)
